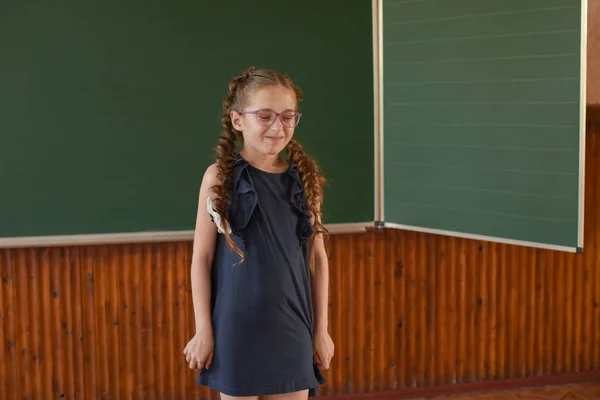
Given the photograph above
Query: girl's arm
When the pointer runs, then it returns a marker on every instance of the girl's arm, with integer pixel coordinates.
(323, 345)
(203, 251)
(320, 285)
(199, 350)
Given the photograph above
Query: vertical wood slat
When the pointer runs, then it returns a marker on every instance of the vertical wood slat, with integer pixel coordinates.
(9, 366)
(406, 309)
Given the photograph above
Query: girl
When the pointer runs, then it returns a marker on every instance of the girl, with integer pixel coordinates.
(253, 286)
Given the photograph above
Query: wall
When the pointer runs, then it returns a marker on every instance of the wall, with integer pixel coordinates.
(407, 309)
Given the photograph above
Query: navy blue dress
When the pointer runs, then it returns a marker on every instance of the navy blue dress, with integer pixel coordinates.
(262, 308)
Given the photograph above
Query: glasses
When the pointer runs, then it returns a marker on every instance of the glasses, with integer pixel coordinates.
(267, 117)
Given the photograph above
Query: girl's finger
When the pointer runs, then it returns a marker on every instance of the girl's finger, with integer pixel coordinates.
(201, 361)
(209, 361)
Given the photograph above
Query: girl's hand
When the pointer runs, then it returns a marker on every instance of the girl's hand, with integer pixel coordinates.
(199, 350)
(324, 349)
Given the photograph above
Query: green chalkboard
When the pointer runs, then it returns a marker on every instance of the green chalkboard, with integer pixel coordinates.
(482, 118)
(110, 111)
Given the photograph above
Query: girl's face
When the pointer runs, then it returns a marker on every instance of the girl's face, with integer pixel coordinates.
(264, 131)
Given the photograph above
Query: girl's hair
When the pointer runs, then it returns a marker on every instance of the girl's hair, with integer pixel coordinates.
(240, 89)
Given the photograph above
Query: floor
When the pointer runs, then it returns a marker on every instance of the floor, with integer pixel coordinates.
(589, 391)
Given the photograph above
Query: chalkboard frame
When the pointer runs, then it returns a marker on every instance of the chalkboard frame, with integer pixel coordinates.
(357, 222)
(379, 66)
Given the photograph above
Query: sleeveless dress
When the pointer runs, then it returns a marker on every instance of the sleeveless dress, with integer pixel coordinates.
(262, 307)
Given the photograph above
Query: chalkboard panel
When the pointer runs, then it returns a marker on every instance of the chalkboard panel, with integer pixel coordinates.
(483, 127)
(110, 110)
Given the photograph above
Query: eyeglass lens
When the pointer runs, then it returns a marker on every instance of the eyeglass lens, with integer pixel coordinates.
(267, 117)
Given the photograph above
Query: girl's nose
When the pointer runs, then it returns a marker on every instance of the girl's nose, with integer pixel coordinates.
(277, 125)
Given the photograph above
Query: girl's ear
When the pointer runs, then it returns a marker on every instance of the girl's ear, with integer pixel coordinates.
(236, 120)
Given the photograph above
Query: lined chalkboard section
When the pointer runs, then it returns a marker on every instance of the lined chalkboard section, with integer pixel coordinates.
(110, 111)
(482, 130)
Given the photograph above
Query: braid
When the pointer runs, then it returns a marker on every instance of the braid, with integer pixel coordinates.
(312, 181)
(225, 150)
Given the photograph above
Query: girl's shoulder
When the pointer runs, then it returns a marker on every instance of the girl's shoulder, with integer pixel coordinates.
(211, 175)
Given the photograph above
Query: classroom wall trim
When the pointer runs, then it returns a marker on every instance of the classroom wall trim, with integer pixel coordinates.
(141, 237)
(582, 119)
(378, 107)
(480, 237)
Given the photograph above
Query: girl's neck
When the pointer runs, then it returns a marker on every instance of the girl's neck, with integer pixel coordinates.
(268, 163)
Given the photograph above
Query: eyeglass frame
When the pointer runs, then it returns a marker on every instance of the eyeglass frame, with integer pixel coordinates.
(277, 116)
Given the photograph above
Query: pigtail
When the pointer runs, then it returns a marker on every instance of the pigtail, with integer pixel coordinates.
(226, 150)
(312, 182)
